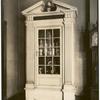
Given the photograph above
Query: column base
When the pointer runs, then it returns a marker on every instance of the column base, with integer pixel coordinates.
(49, 93)
(69, 92)
(33, 93)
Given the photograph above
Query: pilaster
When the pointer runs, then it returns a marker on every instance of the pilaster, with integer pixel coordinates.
(30, 52)
(69, 88)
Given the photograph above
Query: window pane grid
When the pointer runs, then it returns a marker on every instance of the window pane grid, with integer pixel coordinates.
(49, 51)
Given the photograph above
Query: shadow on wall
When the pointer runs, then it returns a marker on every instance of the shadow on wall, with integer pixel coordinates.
(4, 78)
(85, 41)
(85, 71)
(22, 49)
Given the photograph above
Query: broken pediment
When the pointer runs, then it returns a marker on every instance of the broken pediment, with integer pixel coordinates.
(50, 6)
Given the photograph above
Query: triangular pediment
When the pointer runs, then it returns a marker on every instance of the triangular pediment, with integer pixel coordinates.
(51, 6)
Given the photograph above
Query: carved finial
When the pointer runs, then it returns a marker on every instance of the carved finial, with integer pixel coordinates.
(48, 6)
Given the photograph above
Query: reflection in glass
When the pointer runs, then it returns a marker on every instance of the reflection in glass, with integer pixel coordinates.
(41, 70)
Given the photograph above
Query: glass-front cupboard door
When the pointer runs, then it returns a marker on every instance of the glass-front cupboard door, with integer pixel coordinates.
(49, 67)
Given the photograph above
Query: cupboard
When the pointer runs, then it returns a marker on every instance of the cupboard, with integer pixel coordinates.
(50, 30)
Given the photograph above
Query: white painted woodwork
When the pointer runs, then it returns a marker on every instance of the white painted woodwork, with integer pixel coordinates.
(43, 86)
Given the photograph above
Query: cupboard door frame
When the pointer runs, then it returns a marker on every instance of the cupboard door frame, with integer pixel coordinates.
(49, 79)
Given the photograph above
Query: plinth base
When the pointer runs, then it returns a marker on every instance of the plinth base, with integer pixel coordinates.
(42, 93)
(49, 93)
(69, 92)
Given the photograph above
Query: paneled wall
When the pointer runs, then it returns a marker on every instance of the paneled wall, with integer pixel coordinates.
(15, 63)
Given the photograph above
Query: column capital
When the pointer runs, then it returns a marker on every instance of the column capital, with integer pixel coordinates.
(29, 85)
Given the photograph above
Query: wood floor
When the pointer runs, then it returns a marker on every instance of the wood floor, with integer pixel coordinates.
(20, 96)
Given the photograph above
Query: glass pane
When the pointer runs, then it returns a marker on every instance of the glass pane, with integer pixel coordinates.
(56, 69)
(48, 60)
(49, 33)
(41, 34)
(41, 43)
(56, 32)
(57, 42)
(48, 69)
(57, 51)
(48, 43)
(41, 52)
(56, 60)
(49, 51)
(41, 69)
(41, 60)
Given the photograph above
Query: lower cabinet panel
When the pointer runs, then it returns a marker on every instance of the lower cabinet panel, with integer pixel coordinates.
(49, 93)
(43, 94)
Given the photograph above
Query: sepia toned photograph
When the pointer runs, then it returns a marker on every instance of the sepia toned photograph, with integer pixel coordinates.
(50, 49)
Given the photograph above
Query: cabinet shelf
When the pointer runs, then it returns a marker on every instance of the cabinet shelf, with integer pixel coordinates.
(49, 65)
(50, 56)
